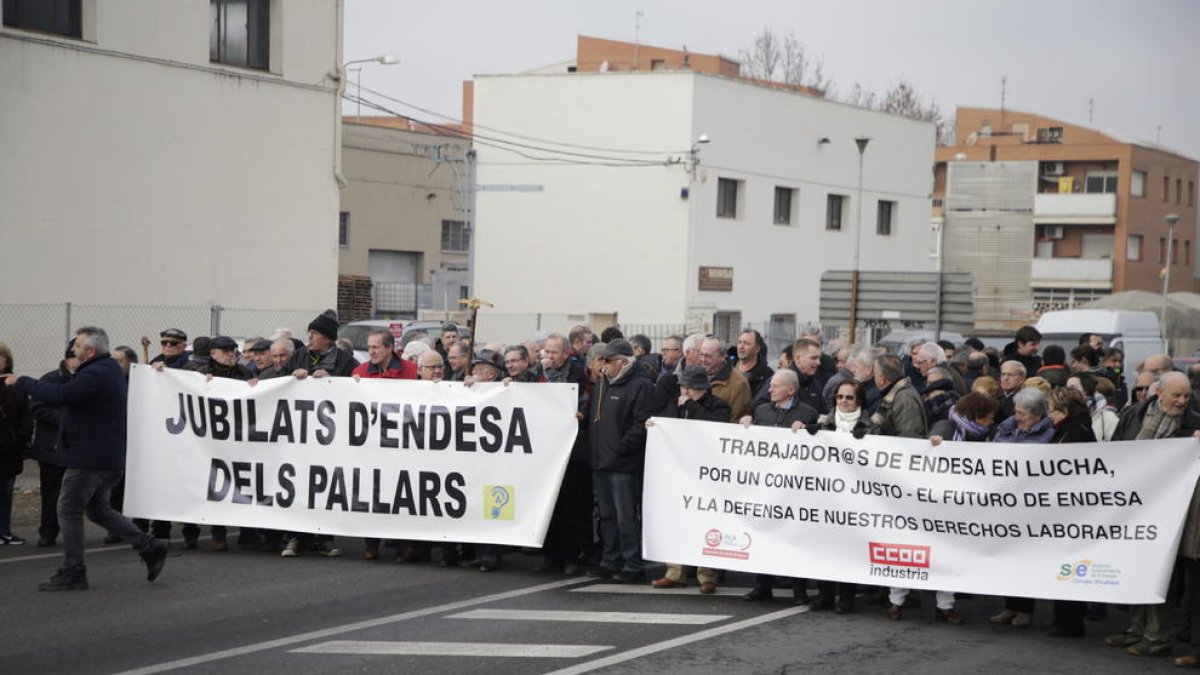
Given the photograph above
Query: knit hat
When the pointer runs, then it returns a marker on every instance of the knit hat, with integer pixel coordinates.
(326, 324)
(695, 377)
(222, 342)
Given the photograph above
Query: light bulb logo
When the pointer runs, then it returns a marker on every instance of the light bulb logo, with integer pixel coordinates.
(498, 502)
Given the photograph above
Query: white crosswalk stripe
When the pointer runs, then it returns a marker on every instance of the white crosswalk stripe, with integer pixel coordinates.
(646, 589)
(590, 617)
(488, 649)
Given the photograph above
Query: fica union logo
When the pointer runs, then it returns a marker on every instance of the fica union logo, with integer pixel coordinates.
(499, 502)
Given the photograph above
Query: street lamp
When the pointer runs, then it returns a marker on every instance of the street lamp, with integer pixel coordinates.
(385, 60)
(1171, 219)
(340, 78)
(861, 142)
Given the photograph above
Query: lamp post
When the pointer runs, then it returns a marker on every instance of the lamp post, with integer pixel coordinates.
(861, 142)
(1171, 219)
(384, 60)
(340, 78)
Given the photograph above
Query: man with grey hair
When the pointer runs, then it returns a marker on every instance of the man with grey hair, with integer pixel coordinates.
(728, 383)
(860, 366)
(91, 447)
(1012, 377)
(623, 400)
(1166, 414)
(900, 411)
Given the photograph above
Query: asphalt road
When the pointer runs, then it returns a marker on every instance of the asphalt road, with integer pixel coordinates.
(244, 611)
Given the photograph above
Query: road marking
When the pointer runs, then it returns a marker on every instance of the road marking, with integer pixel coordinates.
(646, 589)
(487, 649)
(101, 549)
(590, 617)
(346, 628)
(622, 657)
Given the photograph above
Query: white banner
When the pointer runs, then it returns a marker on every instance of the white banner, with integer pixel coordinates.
(1087, 521)
(396, 459)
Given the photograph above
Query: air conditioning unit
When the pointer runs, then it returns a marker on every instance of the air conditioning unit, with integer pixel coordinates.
(1055, 169)
(1054, 232)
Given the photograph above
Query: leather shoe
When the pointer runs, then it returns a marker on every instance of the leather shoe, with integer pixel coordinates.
(371, 553)
(599, 573)
(758, 593)
(548, 565)
(1188, 661)
(708, 588)
(949, 616)
(821, 604)
(624, 577)
(895, 612)
(1063, 631)
(45, 542)
(667, 583)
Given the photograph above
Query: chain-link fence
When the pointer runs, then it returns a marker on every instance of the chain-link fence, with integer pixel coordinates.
(38, 333)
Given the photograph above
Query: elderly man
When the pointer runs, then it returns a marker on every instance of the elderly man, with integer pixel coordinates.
(1012, 377)
(91, 448)
(569, 537)
(321, 357)
(280, 354)
(696, 402)
(784, 409)
(581, 341)
(174, 349)
(728, 383)
(382, 361)
(860, 366)
(667, 386)
(516, 364)
(1166, 414)
(806, 363)
(672, 352)
(901, 411)
(752, 359)
(623, 400)
(457, 359)
(931, 355)
(260, 355)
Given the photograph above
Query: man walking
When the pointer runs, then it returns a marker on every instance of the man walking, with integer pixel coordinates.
(91, 447)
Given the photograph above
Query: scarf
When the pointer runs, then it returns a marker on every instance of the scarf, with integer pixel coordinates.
(964, 427)
(1158, 424)
(845, 421)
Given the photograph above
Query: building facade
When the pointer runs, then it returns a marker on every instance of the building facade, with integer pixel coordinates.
(686, 198)
(170, 154)
(1095, 221)
(401, 223)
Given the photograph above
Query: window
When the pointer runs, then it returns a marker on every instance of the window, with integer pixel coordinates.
(60, 17)
(1100, 182)
(727, 197)
(1174, 251)
(1178, 190)
(1133, 247)
(727, 326)
(455, 237)
(1137, 184)
(883, 218)
(658, 64)
(1166, 187)
(1191, 193)
(1187, 252)
(784, 199)
(344, 229)
(833, 212)
(239, 32)
(1162, 250)
(1055, 134)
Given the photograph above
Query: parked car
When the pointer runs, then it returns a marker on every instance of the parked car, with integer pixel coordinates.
(357, 331)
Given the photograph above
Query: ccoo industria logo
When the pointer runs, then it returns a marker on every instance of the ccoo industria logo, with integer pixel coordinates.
(899, 561)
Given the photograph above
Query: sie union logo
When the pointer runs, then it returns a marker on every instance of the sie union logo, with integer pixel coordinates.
(904, 555)
(1075, 570)
(713, 537)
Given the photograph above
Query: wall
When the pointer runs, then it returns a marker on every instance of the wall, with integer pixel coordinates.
(134, 171)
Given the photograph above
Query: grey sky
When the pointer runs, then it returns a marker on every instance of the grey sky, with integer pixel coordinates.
(1139, 61)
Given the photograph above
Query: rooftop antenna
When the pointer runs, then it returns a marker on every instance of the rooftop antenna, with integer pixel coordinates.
(1158, 135)
(1091, 109)
(637, 34)
(1003, 97)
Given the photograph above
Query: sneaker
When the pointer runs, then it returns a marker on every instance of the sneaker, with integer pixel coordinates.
(327, 549)
(66, 580)
(292, 549)
(1149, 648)
(154, 557)
(11, 539)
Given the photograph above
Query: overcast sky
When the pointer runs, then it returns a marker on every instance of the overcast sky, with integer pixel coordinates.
(1138, 61)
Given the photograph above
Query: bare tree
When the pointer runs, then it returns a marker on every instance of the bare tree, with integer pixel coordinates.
(902, 99)
(783, 59)
(763, 61)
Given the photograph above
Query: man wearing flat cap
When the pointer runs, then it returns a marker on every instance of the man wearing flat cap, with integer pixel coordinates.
(321, 357)
(622, 400)
(174, 349)
(260, 355)
(696, 402)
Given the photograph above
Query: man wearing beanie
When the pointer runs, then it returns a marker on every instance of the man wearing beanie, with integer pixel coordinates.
(321, 357)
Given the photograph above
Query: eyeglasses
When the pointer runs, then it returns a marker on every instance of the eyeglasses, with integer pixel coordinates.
(437, 367)
(170, 343)
(847, 397)
(1136, 389)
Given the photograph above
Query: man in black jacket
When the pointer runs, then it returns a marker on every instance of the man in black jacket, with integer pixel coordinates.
(622, 400)
(47, 419)
(321, 357)
(91, 445)
(806, 363)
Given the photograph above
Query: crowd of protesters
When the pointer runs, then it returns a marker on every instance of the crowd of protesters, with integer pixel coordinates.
(933, 390)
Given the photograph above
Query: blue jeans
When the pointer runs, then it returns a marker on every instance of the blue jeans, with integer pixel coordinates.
(6, 490)
(619, 496)
(88, 490)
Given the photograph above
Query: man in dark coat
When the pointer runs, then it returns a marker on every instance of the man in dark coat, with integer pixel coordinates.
(174, 349)
(321, 357)
(752, 359)
(91, 445)
(622, 401)
(47, 419)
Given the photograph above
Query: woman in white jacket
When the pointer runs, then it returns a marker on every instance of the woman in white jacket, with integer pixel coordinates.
(1104, 419)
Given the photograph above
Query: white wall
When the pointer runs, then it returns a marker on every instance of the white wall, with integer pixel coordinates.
(770, 138)
(601, 239)
(597, 239)
(133, 171)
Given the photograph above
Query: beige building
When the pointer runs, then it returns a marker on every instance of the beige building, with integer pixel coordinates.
(401, 225)
(1048, 215)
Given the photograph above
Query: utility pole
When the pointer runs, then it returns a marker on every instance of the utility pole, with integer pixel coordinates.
(1003, 97)
(1091, 110)
(637, 41)
(861, 142)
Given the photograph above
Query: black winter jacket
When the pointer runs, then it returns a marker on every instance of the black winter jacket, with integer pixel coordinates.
(92, 435)
(47, 418)
(617, 427)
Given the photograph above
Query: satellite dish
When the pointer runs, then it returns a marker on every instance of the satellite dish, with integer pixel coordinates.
(604, 66)
(972, 138)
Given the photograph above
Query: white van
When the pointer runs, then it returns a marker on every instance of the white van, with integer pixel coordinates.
(1135, 333)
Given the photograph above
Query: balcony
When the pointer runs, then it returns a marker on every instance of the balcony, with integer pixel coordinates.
(1070, 273)
(1096, 208)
